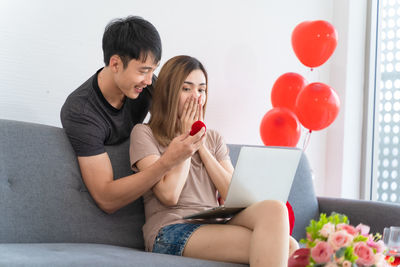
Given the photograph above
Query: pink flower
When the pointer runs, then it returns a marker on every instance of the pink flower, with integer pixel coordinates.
(346, 264)
(349, 228)
(322, 252)
(363, 229)
(327, 229)
(365, 254)
(379, 246)
(331, 264)
(340, 239)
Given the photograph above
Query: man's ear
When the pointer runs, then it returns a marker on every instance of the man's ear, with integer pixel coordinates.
(115, 63)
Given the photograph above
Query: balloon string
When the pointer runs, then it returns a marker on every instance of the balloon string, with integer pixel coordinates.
(306, 140)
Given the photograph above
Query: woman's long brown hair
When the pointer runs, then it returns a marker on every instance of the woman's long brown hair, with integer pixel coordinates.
(168, 88)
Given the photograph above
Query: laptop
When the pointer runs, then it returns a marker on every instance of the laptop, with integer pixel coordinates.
(261, 173)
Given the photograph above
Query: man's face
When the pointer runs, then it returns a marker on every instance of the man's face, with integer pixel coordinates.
(136, 76)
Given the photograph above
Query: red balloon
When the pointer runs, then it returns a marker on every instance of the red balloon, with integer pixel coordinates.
(280, 127)
(314, 42)
(317, 106)
(285, 90)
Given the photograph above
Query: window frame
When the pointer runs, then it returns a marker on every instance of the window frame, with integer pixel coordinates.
(371, 108)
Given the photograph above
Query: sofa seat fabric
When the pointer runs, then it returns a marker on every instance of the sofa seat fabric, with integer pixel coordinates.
(79, 254)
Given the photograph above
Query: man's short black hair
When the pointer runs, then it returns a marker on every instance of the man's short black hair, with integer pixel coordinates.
(131, 38)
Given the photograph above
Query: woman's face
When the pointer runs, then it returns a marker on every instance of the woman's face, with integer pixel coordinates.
(194, 85)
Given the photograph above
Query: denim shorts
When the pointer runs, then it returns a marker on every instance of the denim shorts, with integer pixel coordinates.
(171, 239)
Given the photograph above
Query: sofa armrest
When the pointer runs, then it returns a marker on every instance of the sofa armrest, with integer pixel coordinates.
(377, 215)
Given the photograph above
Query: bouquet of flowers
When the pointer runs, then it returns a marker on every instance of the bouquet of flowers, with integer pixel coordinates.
(332, 241)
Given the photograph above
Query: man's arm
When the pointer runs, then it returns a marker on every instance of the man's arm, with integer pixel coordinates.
(111, 195)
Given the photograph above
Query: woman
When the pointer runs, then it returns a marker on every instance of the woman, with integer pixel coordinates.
(258, 235)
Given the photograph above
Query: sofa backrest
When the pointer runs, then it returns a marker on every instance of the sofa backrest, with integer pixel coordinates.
(43, 198)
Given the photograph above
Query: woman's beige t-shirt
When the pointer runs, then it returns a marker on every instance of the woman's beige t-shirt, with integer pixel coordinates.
(198, 194)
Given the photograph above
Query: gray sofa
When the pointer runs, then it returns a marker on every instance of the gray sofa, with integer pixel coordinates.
(47, 217)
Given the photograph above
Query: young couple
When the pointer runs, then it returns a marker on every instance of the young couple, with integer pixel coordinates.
(177, 174)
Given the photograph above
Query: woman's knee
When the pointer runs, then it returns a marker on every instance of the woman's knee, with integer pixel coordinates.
(275, 207)
(264, 213)
(271, 210)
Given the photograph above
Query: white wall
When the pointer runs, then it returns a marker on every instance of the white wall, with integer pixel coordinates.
(344, 139)
(48, 48)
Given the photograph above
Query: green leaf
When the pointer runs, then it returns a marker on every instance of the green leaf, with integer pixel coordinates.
(312, 244)
(340, 252)
(349, 254)
(337, 218)
(360, 238)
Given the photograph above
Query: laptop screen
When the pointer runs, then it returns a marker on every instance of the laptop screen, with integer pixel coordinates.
(262, 173)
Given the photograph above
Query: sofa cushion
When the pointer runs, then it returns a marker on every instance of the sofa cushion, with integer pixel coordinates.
(60, 255)
(43, 198)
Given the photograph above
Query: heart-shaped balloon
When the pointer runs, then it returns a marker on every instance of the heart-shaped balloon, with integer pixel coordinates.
(314, 42)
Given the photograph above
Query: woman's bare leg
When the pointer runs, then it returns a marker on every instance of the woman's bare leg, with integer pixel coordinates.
(270, 224)
(293, 245)
(219, 242)
(258, 235)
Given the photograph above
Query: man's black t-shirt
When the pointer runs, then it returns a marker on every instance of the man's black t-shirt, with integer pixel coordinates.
(91, 122)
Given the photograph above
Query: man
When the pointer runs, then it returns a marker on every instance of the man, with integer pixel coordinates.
(104, 109)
